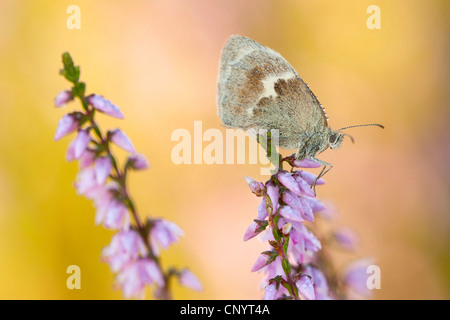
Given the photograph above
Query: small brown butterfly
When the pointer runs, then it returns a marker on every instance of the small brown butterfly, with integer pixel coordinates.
(259, 89)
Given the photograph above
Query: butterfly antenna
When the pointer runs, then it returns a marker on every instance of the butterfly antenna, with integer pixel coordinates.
(363, 125)
(351, 138)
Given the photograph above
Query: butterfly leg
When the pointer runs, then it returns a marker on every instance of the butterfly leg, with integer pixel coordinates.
(322, 173)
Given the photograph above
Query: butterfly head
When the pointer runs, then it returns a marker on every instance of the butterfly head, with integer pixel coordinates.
(335, 139)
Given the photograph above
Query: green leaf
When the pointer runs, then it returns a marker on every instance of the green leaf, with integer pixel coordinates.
(70, 72)
(272, 256)
(286, 266)
(273, 244)
(277, 279)
(262, 225)
(79, 89)
(276, 218)
(276, 234)
(287, 286)
(285, 244)
(67, 61)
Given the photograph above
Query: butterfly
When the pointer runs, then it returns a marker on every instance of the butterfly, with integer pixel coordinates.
(258, 89)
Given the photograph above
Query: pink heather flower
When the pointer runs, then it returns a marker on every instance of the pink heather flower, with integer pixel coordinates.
(87, 185)
(138, 162)
(274, 269)
(289, 182)
(103, 168)
(308, 214)
(286, 229)
(306, 163)
(119, 138)
(78, 146)
(256, 186)
(304, 187)
(109, 211)
(346, 238)
(114, 216)
(105, 106)
(86, 159)
(136, 275)
(66, 125)
(299, 204)
(273, 192)
(305, 288)
(321, 289)
(125, 247)
(262, 210)
(70, 153)
(189, 280)
(63, 97)
(86, 181)
(103, 194)
(81, 143)
(356, 277)
(270, 291)
(309, 177)
(261, 262)
(290, 214)
(304, 242)
(163, 233)
(251, 231)
(315, 204)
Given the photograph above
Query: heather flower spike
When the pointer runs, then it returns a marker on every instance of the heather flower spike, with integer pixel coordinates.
(133, 254)
(294, 265)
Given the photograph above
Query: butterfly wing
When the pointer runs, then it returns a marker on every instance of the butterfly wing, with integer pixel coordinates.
(258, 88)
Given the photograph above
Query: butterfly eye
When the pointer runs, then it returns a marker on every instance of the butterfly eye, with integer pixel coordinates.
(332, 139)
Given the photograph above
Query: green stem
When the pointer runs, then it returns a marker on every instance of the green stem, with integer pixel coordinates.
(272, 154)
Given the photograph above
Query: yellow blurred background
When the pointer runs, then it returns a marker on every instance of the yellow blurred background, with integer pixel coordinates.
(158, 61)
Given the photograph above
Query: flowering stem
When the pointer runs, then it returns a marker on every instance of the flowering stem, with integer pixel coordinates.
(133, 253)
(282, 242)
(120, 177)
(280, 246)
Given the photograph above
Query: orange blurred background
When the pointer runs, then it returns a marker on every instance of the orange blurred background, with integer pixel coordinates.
(158, 61)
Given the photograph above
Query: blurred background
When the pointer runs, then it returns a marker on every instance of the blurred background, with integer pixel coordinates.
(158, 61)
